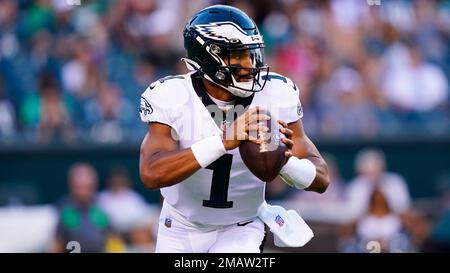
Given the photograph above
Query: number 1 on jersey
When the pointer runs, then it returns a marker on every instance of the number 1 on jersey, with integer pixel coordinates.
(220, 182)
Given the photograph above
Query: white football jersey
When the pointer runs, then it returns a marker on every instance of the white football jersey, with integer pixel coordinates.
(226, 192)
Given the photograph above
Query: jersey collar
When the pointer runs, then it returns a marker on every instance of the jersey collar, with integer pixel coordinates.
(200, 89)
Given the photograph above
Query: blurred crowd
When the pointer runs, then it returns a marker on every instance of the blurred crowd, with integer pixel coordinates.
(74, 73)
(116, 219)
(372, 211)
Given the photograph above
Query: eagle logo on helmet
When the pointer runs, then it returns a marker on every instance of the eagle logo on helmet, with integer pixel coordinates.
(228, 32)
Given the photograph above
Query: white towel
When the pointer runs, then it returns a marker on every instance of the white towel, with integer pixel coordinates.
(288, 227)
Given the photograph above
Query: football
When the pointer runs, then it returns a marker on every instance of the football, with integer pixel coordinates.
(265, 160)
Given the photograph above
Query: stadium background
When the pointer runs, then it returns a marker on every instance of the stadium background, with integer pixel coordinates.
(371, 77)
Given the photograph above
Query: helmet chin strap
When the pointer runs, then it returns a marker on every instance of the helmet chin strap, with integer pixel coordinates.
(235, 91)
(244, 85)
(239, 93)
(194, 66)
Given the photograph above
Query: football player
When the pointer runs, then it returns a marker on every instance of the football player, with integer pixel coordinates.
(211, 199)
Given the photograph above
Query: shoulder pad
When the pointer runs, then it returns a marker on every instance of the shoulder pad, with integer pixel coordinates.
(278, 80)
(169, 91)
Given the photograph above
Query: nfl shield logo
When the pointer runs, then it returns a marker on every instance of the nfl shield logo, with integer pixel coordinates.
(279, 220)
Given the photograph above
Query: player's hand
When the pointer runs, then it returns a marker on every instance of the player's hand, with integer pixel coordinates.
(287, 140)
(247, 126)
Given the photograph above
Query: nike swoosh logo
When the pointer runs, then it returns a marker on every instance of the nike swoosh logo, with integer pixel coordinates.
(244, 224)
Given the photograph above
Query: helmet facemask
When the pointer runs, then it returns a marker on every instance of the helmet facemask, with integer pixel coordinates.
(240, 69)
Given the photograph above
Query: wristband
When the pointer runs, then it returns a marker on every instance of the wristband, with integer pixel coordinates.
(298, 173)
(207, 150)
